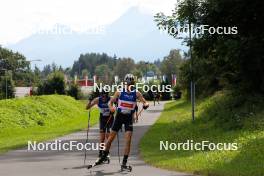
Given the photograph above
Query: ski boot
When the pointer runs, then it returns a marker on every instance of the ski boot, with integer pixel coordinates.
(125, 167)
(101, 160)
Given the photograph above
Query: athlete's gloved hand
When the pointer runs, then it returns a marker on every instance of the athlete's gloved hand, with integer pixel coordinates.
(90, 97)
(112, 109)
(145, 106)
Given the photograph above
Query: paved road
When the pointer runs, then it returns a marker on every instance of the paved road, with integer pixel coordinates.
(70, 163)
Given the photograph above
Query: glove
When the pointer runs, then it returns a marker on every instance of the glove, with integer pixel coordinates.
(112, 110)
(90, 98)
(145, 106)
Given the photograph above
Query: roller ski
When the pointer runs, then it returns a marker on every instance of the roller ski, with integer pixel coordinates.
(126, 168)
(100, 161)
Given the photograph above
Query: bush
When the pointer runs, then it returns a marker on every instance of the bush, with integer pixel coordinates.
(165, 95)
(177, 94)
(148, 95)
(53, 85)
(74, 91)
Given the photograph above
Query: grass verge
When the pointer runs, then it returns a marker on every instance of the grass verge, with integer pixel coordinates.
(212, 124)
(40, 118)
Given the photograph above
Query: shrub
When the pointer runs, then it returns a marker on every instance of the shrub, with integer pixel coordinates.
(74, 91)
(53, 85)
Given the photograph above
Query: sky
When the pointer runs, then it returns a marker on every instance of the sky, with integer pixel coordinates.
(21, 18)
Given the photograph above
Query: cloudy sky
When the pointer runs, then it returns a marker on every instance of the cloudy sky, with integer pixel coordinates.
(20, 18)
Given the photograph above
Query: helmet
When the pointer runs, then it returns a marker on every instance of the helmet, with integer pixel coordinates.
(129, 79)
(104, 93)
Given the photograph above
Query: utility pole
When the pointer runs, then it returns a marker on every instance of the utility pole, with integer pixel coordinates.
(192, 80)
(6, 82)
(3, 69)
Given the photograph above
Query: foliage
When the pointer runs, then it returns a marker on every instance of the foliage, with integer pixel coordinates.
(224, 61)
(74, 91)
(105, 67)
(16, 64)
(89, 62)
(171, 64)
(177, 127)
(104, 74)
(123, 67)
(7, 88)
(53, 85)
(165, 95)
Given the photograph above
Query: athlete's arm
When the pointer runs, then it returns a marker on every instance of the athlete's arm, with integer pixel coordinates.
(142, 99)
(92, 103)
(112, 100)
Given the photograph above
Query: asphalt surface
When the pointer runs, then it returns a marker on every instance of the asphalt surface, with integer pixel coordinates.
(71, 163)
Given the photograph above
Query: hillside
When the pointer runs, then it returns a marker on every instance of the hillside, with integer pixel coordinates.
(218, 120)
(39, 118)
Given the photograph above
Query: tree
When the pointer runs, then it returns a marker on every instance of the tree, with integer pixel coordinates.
(124, 66)
(233, 62)
(136, 72)
(171, 64)
(36, 75)
(15, 63)
(53, 85)
(89, 62)
(85, 73)
(7, 88)
(103, 73)
(46, 70)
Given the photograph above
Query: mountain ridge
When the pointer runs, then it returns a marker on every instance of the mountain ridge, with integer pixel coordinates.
(134, 34)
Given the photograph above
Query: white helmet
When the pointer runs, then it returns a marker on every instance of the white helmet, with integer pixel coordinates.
(129, 79)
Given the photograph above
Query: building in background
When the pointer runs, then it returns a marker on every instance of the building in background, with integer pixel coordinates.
(149, 76)
(23, 91)
(86, 84)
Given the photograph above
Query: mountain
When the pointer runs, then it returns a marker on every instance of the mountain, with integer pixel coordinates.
(134, 35)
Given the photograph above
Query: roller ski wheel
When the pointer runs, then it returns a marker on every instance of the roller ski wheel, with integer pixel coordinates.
(107, 160)
(126, 168)
(99, 161)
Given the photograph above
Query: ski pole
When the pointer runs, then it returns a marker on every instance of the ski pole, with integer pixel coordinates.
(87, 135)
(139, 114)
(110, 117)
(118, 146)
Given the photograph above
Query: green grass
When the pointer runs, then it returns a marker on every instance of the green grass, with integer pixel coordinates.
(211, 124)
(40, 118)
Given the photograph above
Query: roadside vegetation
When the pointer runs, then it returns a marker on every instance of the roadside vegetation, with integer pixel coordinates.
(40, 118)
(222, 118)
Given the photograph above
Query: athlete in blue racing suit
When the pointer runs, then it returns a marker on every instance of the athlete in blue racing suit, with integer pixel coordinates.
(127, 100)
(106, 119)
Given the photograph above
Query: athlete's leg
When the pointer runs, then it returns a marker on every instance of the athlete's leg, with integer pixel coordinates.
(110, 139)
(116, 127)
(128, 137)
(102, 132)
(102, 136)
(108, 127)
(102, 139)
(107, 135)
